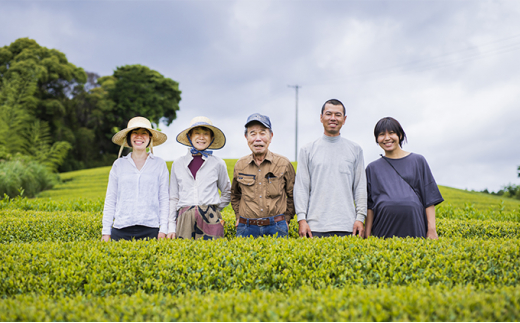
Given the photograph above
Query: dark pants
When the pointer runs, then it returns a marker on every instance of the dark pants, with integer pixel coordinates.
(137, 232)
(331, 234)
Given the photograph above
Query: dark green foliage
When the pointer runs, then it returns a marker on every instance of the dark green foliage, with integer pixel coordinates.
(138, 90)
(41, 91)
(27, 177)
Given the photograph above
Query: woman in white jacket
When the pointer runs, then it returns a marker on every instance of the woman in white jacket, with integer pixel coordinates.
(196, 178)
(137, 202)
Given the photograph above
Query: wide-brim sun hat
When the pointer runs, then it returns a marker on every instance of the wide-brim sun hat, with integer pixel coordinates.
(157, 138)
(219, 139)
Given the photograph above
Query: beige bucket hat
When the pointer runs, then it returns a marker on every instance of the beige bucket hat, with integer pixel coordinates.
(135, 123)
(219, 139)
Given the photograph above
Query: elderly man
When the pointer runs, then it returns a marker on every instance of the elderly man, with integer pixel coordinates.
(262, 189)
(330, 178)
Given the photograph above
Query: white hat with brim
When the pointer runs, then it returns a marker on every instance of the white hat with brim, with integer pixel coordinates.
(219, 139)
(157, 138)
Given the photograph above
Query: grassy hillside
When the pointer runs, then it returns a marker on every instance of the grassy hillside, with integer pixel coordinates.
(92, 184)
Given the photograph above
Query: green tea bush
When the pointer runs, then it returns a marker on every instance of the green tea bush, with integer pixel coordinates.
(38, 226)
(355, 303)
(245, 264)
(469, 211)
(40, 220)
(24, 177)
(83, 205)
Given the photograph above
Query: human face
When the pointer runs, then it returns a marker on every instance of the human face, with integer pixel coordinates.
(258, 139)
(332, 119)
(200, 138)
(139, 138)
(389, 141)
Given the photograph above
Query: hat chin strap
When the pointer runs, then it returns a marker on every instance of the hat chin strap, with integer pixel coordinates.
(121, 150)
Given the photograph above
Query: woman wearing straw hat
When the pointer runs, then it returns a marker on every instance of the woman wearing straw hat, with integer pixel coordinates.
(136, 204)
(196, 177)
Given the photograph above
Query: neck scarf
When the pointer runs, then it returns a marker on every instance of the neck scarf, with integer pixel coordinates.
(203, 152)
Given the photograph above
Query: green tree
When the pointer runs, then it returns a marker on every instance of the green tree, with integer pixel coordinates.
(56, 78)
(53, 102)
(137, 90)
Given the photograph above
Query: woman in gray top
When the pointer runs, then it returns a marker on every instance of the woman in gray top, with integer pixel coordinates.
(402, 192)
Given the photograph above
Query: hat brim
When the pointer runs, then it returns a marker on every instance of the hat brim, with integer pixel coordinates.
(120, 137)
(218, 142)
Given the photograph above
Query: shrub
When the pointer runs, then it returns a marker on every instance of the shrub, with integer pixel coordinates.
(246, 264)
(356, 303)
(25, 177)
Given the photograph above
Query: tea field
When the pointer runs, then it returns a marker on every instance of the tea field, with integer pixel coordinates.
(55, 268)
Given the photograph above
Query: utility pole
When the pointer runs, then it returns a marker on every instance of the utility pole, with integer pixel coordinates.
(296, 87)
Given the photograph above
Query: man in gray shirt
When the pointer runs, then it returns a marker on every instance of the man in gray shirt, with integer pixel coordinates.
(330, 194)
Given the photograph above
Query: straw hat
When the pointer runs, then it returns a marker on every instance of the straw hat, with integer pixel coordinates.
(135, 123)
(219, 140)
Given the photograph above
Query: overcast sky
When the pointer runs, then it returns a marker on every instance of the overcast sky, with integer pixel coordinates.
(449, 71)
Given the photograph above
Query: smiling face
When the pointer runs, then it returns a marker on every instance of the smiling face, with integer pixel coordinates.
(333, 119)
(258, 139)
(389, 141)
(139, 139)
(200, 137)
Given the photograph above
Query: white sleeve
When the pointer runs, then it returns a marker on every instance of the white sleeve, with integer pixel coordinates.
(109, 209)
(302, 186)
(224, 185)
(359, 187)
(164, 205)
(174, 200)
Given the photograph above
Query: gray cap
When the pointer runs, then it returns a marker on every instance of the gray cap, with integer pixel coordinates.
(260, 118)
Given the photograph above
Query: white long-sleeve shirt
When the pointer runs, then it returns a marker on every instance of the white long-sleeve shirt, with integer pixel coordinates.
(330, 191)
(137, 197)
(202, 190)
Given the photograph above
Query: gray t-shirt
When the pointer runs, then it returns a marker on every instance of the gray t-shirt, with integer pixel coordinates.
(398, 210)
(329, 179)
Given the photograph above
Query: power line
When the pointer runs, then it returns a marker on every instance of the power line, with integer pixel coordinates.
(436, 61)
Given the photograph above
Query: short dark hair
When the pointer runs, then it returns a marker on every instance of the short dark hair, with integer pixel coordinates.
(390, 124)
(130, 133)
(334, 102)
(203, 128)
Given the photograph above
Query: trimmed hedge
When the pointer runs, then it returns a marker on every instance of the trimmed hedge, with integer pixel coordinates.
(167, 266)
(17, 225)
(356, 303)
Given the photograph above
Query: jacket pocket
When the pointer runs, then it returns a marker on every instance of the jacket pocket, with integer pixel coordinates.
(246, 179)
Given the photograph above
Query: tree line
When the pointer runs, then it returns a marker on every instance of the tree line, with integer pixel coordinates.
(58, 116)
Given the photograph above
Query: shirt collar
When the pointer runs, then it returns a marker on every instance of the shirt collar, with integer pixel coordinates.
(332, 139)
(269, 157)
(130, 155)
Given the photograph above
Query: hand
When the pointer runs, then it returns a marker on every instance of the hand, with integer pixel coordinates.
(304, 230)
(161, 235)
(171, 235)
(359, 229)
(432, 234)
(236, 224)
(105, 237)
